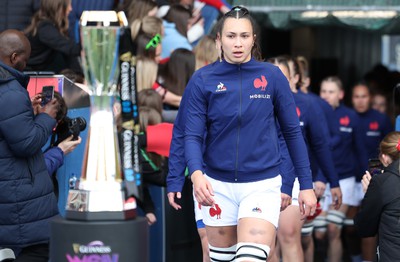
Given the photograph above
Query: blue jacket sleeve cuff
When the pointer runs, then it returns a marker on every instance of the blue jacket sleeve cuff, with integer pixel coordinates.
(305, 183)
(287, 189)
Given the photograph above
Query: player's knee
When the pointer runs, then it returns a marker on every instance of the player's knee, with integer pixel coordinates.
(336, 217)
(218, 254)
(320, 235)
(320, 224)
(288, 233)
(251, 252)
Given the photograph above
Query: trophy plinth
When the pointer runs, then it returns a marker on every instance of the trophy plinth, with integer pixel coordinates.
(100, 194)
(99, 201)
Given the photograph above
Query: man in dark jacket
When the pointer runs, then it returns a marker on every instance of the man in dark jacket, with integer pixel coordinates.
(27, 201)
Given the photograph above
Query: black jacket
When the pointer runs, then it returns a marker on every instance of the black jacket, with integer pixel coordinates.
(17, 14)
(153, 175)
(52, 51)
(380, 212)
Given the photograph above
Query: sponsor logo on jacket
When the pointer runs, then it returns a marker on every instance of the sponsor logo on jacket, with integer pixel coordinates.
(220, 88)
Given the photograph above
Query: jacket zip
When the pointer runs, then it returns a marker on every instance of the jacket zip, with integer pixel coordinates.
(239, 124)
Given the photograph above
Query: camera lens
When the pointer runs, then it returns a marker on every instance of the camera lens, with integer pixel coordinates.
(82, 123)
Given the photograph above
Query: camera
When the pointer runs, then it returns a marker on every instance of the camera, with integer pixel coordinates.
(70, 126)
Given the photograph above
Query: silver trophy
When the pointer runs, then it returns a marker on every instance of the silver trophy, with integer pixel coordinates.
(100, 193)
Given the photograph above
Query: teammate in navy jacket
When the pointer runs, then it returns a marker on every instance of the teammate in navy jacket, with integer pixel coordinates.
(316, 135)
(349, 157)
(374, 127)
(334, 140)
(320, 178)
(236, 101)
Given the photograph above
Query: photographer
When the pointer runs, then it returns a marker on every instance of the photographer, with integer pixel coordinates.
(65, 143)
(54, 156)
(381, 204)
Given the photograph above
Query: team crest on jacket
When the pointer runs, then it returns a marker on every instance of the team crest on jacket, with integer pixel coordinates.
(221, 87)
(261, 83)
(344, 121)
(298, 111)
(344, 124)
(374, 129)
(374, 126)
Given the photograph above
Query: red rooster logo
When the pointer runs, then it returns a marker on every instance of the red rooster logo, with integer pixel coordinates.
(298, 111)
(374, 126)
(261, 83)
(344, 121)
(215, 211)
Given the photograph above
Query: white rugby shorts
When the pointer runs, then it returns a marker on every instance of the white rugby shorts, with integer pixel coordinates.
(233, 201)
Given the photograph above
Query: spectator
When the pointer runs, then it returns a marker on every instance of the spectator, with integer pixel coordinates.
(17, 14)
(78, 6)
(178, 70)
(151, 163)
(148, 25)
(381, 204)
(150, 98)
(146, 75)
(74, 77)
(149, 46)
(52, 50)
(137, 9)
(205, 52)
(209, 10)
(176, 23)
(26, 191)
(220, 5)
